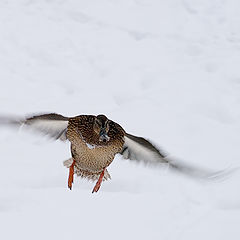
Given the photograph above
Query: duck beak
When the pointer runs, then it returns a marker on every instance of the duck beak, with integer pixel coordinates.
(103, 136)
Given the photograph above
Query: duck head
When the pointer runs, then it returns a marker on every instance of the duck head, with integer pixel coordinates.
(101, 127)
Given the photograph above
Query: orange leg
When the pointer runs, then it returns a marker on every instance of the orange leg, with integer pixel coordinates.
(98, 184)
(70, 176)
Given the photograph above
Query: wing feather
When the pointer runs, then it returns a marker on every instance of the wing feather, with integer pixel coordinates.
(52, 124)
(141, 150)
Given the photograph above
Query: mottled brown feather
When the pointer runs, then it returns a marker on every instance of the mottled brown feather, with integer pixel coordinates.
(90, 161)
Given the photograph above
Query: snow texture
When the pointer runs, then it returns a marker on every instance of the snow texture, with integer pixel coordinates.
(164, 70)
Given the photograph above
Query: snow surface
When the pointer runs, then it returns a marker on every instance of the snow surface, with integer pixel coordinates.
(166, 70)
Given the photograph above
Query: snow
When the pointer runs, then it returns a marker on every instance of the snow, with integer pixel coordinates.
(165, 70)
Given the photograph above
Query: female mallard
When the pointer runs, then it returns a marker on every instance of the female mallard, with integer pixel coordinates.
(95, 140)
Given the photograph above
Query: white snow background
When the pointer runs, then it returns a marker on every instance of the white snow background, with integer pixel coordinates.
(166, 70)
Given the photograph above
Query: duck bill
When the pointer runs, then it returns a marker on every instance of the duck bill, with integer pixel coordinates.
(103, 136)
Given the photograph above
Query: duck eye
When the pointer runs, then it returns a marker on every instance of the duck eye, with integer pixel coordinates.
(98, 123)
(106, 123)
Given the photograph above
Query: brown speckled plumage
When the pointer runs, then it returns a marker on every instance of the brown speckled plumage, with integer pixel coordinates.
(91, 160)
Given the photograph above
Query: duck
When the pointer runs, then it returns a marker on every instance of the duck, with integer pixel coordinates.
(95, 140)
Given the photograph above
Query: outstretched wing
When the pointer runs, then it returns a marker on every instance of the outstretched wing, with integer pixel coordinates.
(141, 150)
(52, 124)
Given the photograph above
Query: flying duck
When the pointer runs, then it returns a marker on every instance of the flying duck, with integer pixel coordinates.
(95, 140)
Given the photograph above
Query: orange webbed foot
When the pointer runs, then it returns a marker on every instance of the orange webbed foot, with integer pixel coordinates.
(98, 184)
(70, 176)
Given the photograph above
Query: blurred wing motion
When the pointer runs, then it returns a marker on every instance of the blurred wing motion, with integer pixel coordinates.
(141, 150)
(52, 124)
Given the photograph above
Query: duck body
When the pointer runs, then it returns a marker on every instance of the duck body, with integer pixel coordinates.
(91, 155)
